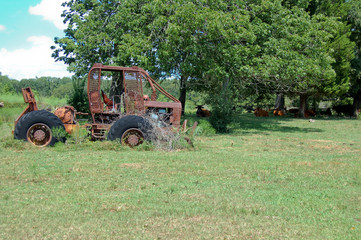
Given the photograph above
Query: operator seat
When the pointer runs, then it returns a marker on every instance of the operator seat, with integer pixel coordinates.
(95, 102)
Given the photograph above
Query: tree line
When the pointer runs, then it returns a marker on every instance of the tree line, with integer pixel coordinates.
(43, 86)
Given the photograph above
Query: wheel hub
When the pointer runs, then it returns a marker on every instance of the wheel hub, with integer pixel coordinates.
(133, 140)
(39, 135)
(132, 137)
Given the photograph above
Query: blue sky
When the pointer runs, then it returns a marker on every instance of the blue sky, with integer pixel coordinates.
(27, 30)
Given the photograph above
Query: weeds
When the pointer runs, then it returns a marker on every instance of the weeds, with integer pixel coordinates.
(204, 128)
(79, 135)
(163, 136)
(15, 144)
(59, 133)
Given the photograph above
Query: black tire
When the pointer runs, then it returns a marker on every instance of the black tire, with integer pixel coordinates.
(38, 120)
(126, 124)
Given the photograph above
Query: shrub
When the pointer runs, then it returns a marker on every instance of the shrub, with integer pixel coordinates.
(221, 115)
(78, 98)
(59, 133)
(204, 128)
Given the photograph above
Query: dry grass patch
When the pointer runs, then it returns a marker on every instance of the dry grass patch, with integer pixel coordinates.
(131, 165)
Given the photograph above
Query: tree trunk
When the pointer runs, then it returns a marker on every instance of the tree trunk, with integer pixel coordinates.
(356, 104)
(280, 102)
(183, 92)
(315, 104)
(303, 102)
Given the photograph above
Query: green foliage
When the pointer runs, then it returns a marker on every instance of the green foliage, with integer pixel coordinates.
(79, 135)
(9, 114)
(63, 90)
(16, 144)
(260, 47)
(163, 37)
(8, 85)
(43, 86)
(59, 133)
(204, 128)
(292, 57)
(79, 98)
(222, 112)
(354, 18)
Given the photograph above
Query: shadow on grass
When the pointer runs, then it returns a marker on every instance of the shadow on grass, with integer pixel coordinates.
(248, 124)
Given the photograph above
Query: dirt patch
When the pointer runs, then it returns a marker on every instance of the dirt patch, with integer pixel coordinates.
(334, 147)
(320, 140)
(335, 163)
(303, 164)
(131, 165)
(191, 197)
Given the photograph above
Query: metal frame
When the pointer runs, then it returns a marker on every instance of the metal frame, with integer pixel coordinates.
(103, 119)
(30, 99)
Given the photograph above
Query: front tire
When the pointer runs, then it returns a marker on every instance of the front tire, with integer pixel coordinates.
(131, 130)
(37, 128)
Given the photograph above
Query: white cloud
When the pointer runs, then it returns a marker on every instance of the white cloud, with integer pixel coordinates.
(33, 62)
(50, 10)
(2, 27)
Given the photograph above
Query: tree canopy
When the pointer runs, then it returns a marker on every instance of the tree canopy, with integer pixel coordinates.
(299, 47)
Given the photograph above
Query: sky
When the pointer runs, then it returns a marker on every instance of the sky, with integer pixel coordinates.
(27, 31)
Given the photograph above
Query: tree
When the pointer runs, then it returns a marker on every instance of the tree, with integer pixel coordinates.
(295, 47)
(354, 19)
(168, 38)
(8, 85)
(280, 102)
(45, 86)
(295, 56)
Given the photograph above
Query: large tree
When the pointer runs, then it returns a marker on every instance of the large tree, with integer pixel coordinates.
(354, 18)
(296, 51)
(214, 46)
(184, 39)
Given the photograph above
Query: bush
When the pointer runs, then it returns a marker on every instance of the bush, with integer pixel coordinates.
(221, 115)
(78, 98)
(204, 128)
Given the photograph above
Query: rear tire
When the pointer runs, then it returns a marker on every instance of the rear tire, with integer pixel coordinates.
(36, 127)
(131, 130)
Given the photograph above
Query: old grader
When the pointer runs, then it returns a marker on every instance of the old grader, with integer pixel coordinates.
(122, 114)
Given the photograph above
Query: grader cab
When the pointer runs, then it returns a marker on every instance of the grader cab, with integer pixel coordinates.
(122, 100)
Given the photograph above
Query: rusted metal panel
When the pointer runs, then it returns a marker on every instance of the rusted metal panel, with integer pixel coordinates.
(95, 102)
(174, 109)
(98, 131)
(66, 114)
(163, 104)
(70, 128)
(30, 99)
(133, 92)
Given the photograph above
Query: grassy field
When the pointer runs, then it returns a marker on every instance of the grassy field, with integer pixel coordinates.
(14, 105)
(269, 178)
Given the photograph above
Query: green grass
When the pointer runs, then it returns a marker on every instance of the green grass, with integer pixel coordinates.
(14, 105)
(269, 178)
